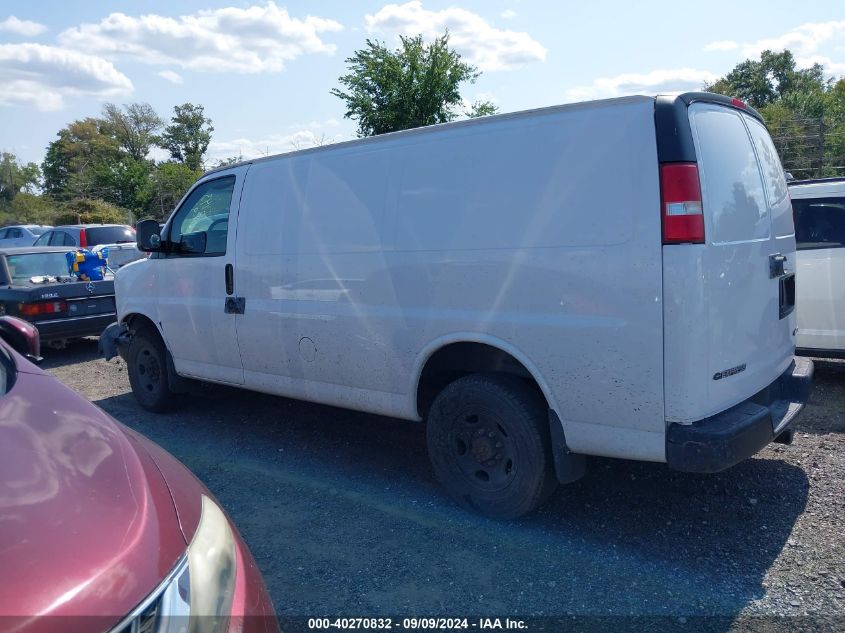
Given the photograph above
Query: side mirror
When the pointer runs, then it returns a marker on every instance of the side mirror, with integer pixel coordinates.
(22, 337)
(148, 236)
(193, 243)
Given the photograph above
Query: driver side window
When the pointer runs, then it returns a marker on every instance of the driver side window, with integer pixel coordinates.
(201, 225)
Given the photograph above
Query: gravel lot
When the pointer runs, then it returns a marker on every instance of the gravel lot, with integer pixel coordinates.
(344, 519)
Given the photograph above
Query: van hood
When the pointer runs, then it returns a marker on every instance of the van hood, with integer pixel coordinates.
(87, 525)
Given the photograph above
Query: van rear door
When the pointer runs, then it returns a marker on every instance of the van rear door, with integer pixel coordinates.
(730, 300)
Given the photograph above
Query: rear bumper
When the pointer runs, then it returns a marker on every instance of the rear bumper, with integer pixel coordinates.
(820, 353)
(73, 327)
(725, 439)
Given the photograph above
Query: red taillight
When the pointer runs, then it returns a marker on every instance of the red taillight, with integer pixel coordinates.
(738, 104)
(683, 219)
(45, 307)
(83, 239)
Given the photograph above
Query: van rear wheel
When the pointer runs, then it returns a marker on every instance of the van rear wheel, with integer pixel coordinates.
(489, 445)
(147, 369)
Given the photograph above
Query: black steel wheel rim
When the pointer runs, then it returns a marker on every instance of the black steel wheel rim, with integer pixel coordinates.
(149, 370)
(483, 451)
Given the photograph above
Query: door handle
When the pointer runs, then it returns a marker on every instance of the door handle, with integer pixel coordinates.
(776, 265)
(230, 279)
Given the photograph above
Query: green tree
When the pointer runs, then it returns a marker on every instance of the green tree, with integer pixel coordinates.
(123, 182)
(16, 177)
(134, 126)
(804, 110)
(29, 208)
(70, 162)
(415, 85)
(481, 108)
(92, 210)
(188, 135)
(226, 162)
(167, 184)
(774, 77)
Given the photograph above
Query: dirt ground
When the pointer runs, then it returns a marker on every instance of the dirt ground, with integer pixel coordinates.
(343, 516)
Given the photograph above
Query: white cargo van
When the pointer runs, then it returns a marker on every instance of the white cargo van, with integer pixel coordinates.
(609, 278)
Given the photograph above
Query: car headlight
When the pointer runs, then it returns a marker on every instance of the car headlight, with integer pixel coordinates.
(198, 598)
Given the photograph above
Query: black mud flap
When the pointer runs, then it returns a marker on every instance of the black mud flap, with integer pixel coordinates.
(114, 338)
(569, 466)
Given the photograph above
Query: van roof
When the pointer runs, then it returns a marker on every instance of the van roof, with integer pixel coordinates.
(681, 99)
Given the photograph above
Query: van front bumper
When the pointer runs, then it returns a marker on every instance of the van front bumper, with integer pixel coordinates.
(727, 438)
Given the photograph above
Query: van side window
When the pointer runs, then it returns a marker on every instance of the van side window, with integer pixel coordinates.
(44, 240)
(819, 223)
(203, 216)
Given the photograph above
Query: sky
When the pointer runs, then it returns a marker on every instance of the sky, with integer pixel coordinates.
(264, 69)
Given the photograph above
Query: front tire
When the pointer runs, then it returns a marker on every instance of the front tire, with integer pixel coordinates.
(147, 368)
(489, 445)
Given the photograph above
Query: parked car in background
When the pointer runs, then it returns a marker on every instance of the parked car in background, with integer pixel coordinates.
(87, 235)
(102, 530)
(819, 208)
(602, 278)
(118, 238)
(36, 286)
(21, 235)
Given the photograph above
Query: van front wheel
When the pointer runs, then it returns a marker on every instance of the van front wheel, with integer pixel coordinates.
(147, 368)
(488, 441)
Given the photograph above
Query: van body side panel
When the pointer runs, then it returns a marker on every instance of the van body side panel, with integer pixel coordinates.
(539, 231)
(312, 256)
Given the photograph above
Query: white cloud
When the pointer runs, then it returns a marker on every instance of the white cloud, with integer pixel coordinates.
(310, 136)
(171, 76)
(317, 125)
(28, 28)
(43, 76)
(803, 41)
(654, 82)
(721, 45)
(483, 45)
(830, 67)
(255, 39)
(508, 14)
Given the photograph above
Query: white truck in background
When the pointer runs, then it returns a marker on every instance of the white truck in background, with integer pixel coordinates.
(819, 206)
(609, 278)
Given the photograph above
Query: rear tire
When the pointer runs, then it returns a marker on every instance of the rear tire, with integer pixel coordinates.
(147, 368)
(489, 445)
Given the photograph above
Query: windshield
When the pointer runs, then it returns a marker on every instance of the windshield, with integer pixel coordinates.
(109, 235)
(22, 267)
(38, 230)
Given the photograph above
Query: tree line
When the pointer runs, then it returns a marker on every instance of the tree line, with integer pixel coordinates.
(803, 109)
(98, 169)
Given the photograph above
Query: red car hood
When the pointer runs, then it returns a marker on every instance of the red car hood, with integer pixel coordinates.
(87, 525)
